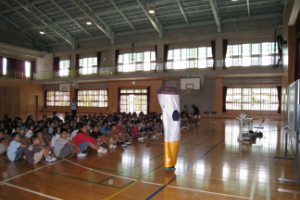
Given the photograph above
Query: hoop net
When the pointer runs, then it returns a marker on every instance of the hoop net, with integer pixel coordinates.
(188, 90)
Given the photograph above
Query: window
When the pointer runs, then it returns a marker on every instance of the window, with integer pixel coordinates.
(258, 54)
(190, 58)
(131, 62)
(56, 98)
(88, 66)
(4, 64)
(92, 98)
(265, 99)
(64, 68)
(134, 100)
(27, 69)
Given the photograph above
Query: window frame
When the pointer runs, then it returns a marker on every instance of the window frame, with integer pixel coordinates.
(247, 101)
(186, 60)
(63, 68)
(93, 101)
(259, 58)
(55, 91)
(134, 91)
(132, 64)
(88, 69)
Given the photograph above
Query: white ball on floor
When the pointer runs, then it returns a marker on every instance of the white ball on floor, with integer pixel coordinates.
(110, 182)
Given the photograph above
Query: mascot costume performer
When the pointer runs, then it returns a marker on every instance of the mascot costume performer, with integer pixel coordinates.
(170, 104)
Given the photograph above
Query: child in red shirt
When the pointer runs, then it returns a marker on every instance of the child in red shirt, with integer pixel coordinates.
(83, 136)
(135, 131)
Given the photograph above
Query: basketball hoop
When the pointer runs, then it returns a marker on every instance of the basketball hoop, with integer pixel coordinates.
(188, 90)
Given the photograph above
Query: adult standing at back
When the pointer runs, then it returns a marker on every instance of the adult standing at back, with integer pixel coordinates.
(74, 107)
(195, 109)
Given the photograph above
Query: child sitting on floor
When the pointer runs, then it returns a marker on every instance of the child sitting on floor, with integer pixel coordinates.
(4, 141)
(15, 149)
(29, 132)
(64, 147)
(135, 131)
(101, 137)
(83, 136)
(35, 152)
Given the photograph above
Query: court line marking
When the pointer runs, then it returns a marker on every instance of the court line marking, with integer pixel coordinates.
(30, 171)
(122, 172)
(129, 185)
(100, 171)
(208, 192)
(32, 191)
(160, 189)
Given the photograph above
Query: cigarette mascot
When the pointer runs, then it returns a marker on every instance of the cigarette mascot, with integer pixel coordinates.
(170, 104)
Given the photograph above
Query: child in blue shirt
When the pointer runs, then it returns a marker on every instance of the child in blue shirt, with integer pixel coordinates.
(15, 149)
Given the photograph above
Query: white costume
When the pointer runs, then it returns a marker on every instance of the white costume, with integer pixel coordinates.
(170, 104)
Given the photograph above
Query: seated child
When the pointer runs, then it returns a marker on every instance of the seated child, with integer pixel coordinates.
(4, 141)
(29, 132)
(135, 131)
(64, 147)
(102, 137)
(35, 152)
(83, 136)
(56, 135)
(149, 131)
(42, 139)
(15, 149)
(105, 127)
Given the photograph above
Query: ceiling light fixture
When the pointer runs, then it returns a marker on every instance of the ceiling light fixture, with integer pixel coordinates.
(151, 8)
(88, 22)
(42, 30)
(234, 0)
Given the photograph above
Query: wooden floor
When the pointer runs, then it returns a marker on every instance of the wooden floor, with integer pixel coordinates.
(211, 165)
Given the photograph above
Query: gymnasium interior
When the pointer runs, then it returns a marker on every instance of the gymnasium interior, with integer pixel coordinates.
(232, 59)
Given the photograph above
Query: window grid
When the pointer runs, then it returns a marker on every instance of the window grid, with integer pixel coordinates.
(264, 99)
(56, 98)
(256, 54)
(186, 58)
(92, 98)
(64, 68)
(131, 62)
(134, 100)
(88, 66)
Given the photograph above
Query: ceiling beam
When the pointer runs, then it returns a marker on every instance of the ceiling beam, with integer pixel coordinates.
(71, 18)
(197, 24)
(155, 22)
(215, 10)
(25, 4)
(20, 7)
(248, 6)
(23, 33)
(182, 11)
(30, 21)
(89, 13)
(122, 14)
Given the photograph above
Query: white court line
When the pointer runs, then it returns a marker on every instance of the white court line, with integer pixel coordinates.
(31, 191)
(203, 191)
(152, 183)
(30, 171)
(100, 171)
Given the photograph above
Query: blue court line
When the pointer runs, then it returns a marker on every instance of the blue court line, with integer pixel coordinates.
(160, 189)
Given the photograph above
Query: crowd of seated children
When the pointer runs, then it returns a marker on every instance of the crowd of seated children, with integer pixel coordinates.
(37, 139)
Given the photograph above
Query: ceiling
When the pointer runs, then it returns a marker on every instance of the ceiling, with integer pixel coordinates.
(64, 21)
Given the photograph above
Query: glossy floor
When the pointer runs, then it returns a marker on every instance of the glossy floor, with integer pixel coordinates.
(211, 165)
